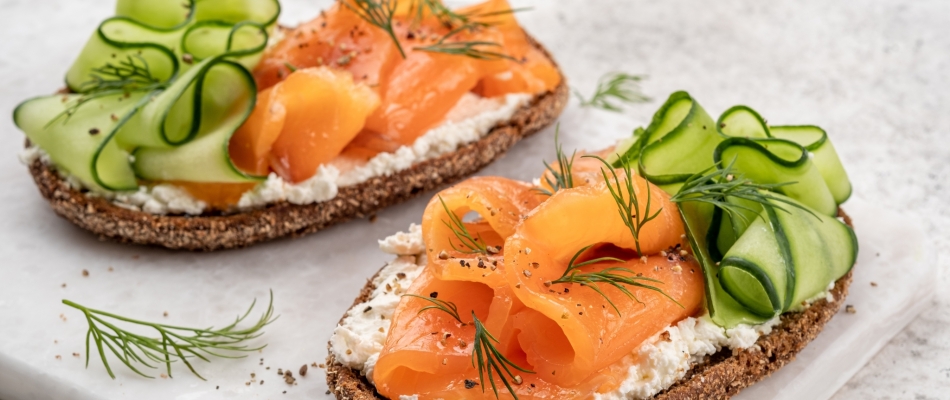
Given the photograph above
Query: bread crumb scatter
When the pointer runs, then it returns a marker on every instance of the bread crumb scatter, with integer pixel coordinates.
(850, 309)
(59, 357)
(303, 370)
(85, 272)
(873, 284)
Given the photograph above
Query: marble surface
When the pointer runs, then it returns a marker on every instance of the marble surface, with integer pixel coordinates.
(873, 73)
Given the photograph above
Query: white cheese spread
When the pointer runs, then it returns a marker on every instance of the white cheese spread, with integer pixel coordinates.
(359, 338)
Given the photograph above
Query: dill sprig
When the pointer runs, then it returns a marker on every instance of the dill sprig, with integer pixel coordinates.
(447, 306)
(485, 356)
(480, 50)
(563, 178)
(614, 87)
(610, 276)
(174, 343)
(475, 245)
(378, 13)
(718, 186)
(477, 49)
(127, 76)
(628, 203)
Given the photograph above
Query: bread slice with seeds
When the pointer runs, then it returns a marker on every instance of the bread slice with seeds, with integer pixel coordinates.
(720, 376)
(215, 230)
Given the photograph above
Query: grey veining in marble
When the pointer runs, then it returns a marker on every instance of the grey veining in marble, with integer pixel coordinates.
(874, 73)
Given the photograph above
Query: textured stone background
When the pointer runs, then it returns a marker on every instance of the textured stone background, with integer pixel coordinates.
(874, 73)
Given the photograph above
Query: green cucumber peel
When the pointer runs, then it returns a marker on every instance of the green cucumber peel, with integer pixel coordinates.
(786, 256)
(774, 161)
(826, 159)
(677, 144)
(163, 94)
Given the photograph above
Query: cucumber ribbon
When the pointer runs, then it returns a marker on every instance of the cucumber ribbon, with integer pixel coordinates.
(769, 258)
(156, 94)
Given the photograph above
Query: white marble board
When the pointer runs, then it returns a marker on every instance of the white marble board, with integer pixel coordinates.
(716, 55)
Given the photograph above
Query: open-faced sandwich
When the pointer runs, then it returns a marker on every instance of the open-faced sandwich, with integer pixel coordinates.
(203, 125)
(688, 262)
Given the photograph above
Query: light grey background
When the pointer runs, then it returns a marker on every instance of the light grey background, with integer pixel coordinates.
(875, 74)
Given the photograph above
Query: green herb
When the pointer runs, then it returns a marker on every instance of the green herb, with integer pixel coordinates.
(480, 50)
(718, 186)
(378, 13)
(563, 179)
(128, 76)
(614, 87)
(447, 306)
(474, 244)
(610, 276)
(290, 67)
(485, 356)
(628, 203)
(174, 343)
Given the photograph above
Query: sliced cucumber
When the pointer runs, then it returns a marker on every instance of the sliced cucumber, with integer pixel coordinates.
(81, 144)
(221, 97)
(165, 84)
(700, 219)
(742, 121)
(774, 161)
(825, 157)
(794, 252)
(677, 144)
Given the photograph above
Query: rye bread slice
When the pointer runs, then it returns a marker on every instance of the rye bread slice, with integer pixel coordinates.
(215, 230)
(721, 376)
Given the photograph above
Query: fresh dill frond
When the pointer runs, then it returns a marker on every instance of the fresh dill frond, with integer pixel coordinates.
(378, 13)
(610, 276)
(485, 356)
(480, 50)
(127, 76)
(628, 202)
(174, 343)
(563, 177)
(475, 245)
(718, 186)
(612, 88)
(447, 306)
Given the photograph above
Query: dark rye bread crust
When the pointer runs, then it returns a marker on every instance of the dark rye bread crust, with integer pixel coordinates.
(721, 376)
(213, 231)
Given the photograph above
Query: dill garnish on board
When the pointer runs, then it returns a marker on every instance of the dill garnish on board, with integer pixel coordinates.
(173, 344)
(485, 356)
(612, 88)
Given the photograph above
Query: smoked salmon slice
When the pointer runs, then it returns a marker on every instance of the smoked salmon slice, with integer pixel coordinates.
(568, 335)
(303, 122)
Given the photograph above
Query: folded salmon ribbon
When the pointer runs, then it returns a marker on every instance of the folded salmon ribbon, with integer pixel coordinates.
(502, 268)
